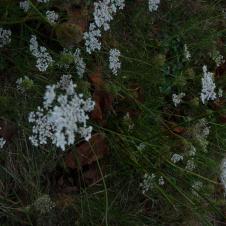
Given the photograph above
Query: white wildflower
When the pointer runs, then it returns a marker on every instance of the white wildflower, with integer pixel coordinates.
(2, 142)
(161, 181)
(141, 147)
(200, 132)
(79, 62)
(49, 96)
(220, 92)
(5, 37)
(186, 52)
(62, 118)
(223, 173)
(153, 5)
(42, 1)
(91, 37)
(104, 11)
(217, 57)
(43, 58)
(192, 151)
(148, 182)
(64, 82)
(177, 99)
(44, 204)
(196, 187)
(25, 5)
(22, 83)
(176, 158)
(52, 16)
(114, 63)
(190, 165)
(208, 86)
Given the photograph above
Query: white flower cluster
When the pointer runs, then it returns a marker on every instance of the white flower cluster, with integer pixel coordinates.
(161, 181)
(196, 187)
(153, 5)
(44, 204)
(24, 5)
(114, 63)
(176, 158)
(220, 92)
(64, 82)
(217, 57)
(43, 58)
(2, 142)
(200, 133)
(190, 165)
(208, 86)
(187, 54)
(52, 16)
(78, 60)
(148, 182)
(177, 99)
(141, 147)
(61, 118)
(103, 15)
(42, 1)
(5, 37)
(21, 81)
(223, 173)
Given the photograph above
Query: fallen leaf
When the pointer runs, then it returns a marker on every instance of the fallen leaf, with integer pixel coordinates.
(87, 152)
(92, 175)
(96, 79)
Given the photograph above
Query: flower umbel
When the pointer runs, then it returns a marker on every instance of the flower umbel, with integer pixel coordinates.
(153, 5)
(114, 63)
(62, 118)
(43, 58)
(5, 37)
(208, 86)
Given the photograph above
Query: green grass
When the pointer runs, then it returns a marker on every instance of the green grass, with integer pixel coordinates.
(152, 49)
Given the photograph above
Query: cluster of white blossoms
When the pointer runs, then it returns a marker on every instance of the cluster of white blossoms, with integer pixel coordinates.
(161, 181)
(103, 15)
(176, 158)
(153, 5)
(44, 204)
(200, 133)
(223, 173)
(114, 63)
(220, 92)
(187, 54)
(2, 142)
(52, 16)
(196, 187)
(24, 5)
(177, 99)
(23, 81)
(217, 57)
(149, 181)
(190, 165)
(5, 37)
(208, 86)
(62, 117)
(43, 58)
(42, 1)
(78, 61)
(141, 147)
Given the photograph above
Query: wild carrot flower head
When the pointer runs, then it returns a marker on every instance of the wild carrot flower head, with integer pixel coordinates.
(62, 118)
(5, 37)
